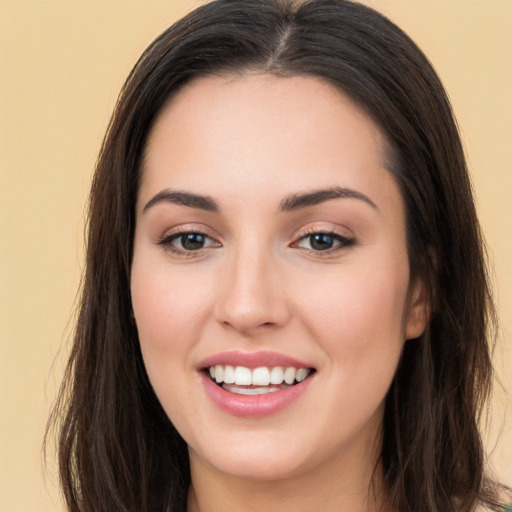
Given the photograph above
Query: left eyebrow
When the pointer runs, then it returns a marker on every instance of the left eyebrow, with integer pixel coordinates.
(298, 201)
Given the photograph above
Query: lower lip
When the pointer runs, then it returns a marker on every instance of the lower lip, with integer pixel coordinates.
(253, 406)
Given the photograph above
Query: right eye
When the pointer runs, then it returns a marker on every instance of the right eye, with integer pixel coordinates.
(187, 242)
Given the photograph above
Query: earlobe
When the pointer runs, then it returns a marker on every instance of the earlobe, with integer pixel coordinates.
(418, 314)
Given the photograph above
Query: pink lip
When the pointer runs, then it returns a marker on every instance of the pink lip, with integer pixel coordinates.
(254, 406)
(252, 360)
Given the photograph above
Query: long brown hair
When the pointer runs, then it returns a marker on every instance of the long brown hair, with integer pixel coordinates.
(118, 450)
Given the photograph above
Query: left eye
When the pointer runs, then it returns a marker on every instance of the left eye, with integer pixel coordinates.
(322, 242)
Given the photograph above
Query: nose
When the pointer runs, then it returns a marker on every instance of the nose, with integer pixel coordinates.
(252, 297)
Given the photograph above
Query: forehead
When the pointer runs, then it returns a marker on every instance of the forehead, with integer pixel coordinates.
(244, 98)
(263, 132)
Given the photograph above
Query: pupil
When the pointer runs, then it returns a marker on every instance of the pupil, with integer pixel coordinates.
(321, 242)
(192, 241)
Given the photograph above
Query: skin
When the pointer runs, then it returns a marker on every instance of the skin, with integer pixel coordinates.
(248, 143)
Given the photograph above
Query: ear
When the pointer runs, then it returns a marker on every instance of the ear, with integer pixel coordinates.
(418, 313)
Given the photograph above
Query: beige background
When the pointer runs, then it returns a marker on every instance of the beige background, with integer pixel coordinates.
(61, 66)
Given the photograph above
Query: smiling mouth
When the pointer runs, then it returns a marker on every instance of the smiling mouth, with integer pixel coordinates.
(256, 381)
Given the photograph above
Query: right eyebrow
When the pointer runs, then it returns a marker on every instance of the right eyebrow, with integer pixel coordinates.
(183, 198)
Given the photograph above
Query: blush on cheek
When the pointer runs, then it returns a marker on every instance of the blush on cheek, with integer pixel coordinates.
(356, 305)
(170, 311)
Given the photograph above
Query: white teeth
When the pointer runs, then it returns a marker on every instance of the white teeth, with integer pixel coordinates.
(219, 373)
(276, 375)
(289, 375)
(243, 376)
(229, 375)
(261, 376)
(300, 375)
(251, 391)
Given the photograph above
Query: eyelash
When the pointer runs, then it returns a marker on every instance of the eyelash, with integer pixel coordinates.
(167, 241)
(343, 242)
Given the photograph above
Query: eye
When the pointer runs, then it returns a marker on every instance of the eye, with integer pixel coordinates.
(187, 242)
(324, 242)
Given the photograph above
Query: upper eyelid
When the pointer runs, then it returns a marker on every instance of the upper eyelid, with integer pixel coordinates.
(328, 230)
(184, 229)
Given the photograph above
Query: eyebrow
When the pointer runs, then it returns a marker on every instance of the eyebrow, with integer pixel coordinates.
(297, 201)
(290, 203)
(184, 198)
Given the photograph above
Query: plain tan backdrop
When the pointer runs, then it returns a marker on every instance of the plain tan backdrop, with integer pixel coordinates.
(62, 64)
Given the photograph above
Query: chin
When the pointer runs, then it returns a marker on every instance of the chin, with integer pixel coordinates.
(258, 460)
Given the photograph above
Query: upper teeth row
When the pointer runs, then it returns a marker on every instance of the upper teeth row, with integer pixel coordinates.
(263, 376)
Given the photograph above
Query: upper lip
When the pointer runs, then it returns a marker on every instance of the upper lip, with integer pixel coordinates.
(252, 360)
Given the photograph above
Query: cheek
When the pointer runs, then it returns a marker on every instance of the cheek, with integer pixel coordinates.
(170, 311)
(358, 315)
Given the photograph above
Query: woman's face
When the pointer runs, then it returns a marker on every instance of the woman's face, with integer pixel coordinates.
(270, 252)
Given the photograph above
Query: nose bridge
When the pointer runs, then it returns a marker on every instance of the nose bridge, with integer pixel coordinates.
(251, 293)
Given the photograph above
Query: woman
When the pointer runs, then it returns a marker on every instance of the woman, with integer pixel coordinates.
(285, 303)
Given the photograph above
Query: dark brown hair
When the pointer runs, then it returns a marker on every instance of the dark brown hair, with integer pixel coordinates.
(118, 450)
